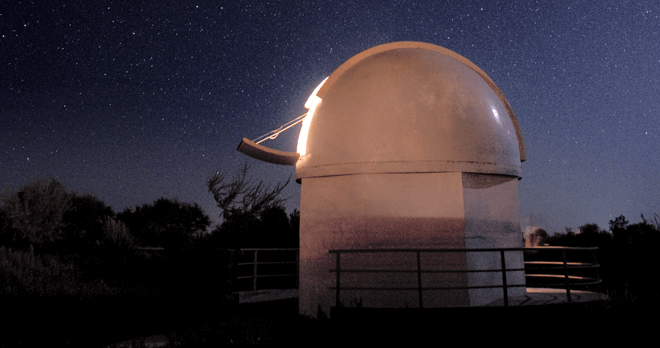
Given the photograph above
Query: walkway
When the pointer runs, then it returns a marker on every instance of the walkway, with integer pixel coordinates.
(266, 313)
(266, 295)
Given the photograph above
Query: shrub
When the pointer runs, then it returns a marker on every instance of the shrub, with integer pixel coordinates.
(36, 210)
(24, 274)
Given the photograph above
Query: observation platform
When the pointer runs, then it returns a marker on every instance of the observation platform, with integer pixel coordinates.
(534, 297)
(266, 295)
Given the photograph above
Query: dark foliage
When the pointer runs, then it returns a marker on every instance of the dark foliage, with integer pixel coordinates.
(33, 215)
(166, 223)
(627, 255)
(271, 229)
(294, 223)
(87, 269)
(636, 248)
(84, 223)
(47, 301)
(239, 196)
(253, 215)
(590, 236)
(7, 232)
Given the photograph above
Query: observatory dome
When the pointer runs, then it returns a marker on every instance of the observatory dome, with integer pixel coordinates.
(409, 107)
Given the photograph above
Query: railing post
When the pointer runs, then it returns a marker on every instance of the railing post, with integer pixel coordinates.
(566, 278)
(254, 272)
(419, 279)
(337, 267)
(504, 285)
(594, 255)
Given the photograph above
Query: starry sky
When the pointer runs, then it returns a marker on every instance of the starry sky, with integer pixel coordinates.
(136, 100)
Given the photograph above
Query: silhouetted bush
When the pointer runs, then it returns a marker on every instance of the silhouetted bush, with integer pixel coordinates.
(253, 215)
(627, 255)
(34, 213)
(636, 250)
(84, 223)
(23, 274)
(166, 223)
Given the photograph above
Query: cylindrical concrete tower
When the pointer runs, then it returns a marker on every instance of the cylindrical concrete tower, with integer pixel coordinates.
(408, 145)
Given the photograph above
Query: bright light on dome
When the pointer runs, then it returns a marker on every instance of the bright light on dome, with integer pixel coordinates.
(496, 114)
(312, 102)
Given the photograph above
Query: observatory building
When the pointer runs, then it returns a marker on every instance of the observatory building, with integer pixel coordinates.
(405, 146)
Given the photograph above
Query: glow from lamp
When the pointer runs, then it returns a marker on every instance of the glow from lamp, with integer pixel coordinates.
(496, 115)
(312, 103)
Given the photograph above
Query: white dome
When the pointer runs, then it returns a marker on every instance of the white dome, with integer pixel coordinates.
(410, 107)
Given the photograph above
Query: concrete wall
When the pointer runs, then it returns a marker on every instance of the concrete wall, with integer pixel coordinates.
(416, 210)
(492, 210)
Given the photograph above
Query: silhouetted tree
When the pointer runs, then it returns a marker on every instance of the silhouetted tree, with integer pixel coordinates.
(240, 196)
(590, 229)
(253, 215)
(627, 255)
(274, 230)
(619, 223)
(116, 235)
(34, 214)
(84, 222)
(636, 248)
(294, 222)
(591, 235)
(166, 223)
(236, 231)
(7, 232)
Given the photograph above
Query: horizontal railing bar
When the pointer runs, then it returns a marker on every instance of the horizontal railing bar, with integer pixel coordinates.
(569, 280)
(373, 271)
(352, 251)
(561, 276)
(266, 276)
(269, 249)
(561, 285)
(478, 270)
(559, 248)
(267, 263)
(352, 288)
(429, 271)
(538, 266)
(490, 286)
(559, 263)
(256, 263)
(433, 288)
(556, 268)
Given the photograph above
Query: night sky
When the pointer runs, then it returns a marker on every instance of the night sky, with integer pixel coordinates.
(136, 100)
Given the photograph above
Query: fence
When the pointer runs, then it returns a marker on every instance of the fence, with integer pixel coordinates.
(544, 272)
(272, 266)
(545, 267)
(569, 280)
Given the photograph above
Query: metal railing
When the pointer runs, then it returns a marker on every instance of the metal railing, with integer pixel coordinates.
(569, 280)
(563, 274)
(256, 263)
